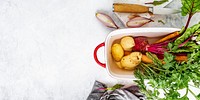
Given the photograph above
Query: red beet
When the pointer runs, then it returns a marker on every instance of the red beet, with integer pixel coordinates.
(140, 44)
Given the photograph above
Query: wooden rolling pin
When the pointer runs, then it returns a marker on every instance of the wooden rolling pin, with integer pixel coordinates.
(129, 8)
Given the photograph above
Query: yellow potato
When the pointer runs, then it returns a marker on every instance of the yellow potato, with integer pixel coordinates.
(130, 61)
(118, 64)
(117, 52)
(127, 43)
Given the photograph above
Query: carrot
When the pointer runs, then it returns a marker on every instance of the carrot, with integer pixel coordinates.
(181, 58)
(170, 36)
(127, 53)
(145, 59)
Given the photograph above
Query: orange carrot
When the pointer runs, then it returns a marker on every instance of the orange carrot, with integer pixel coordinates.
(145, 59)
(170, 36)
(181, 58)
(127, 53)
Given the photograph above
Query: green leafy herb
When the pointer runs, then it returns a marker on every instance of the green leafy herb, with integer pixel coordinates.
(117, 86)
(189, 32)
(198, 38)
(182, 50)
(157, 2)
(183, 43)
(198, 95)
(189, 7)
(156, 61)
(169, 77)
(161, 21)
(197, 34)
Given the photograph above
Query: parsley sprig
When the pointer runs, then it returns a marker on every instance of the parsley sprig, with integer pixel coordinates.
(169, 77)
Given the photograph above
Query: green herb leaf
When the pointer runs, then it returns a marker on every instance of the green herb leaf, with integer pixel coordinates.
(117, 86)
(198, 37)
(155, 59)
(170, 77)
(155, 3)
(191, 44)
(198, 95)
(184, 98)
(170, 46)
(168, 57)
(190, 7)
(161, 21)
(182, 50)
(189, 32)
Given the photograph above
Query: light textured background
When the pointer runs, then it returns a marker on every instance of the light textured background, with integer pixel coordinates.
(46, 49)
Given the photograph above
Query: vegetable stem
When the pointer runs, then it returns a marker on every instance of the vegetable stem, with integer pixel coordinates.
(157, 2)
(146, 70)
(189, 17)
(165, 91)
(182, 44)
(157, 68)
(193, 94)
(186, 91)
(188, 21)
(149, 68)
(193, 86)
(161, 69)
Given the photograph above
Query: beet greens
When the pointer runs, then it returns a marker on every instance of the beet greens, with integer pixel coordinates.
(173, 76)
(189, 7)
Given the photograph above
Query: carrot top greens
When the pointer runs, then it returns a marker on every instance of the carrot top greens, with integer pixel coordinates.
(169, 77)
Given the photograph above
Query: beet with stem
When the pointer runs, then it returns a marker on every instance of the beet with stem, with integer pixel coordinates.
(142, 45)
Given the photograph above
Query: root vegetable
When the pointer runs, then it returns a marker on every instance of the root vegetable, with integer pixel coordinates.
(181, 58)
(118, 64)
(129, 62)
(127, 43)
(117, 52)
(140, 43)
(127, 53)
(168, 37)
(106, 20)
(138, 22)
(145, 59)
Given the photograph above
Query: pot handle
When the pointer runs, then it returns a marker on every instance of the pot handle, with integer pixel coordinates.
(95, 55)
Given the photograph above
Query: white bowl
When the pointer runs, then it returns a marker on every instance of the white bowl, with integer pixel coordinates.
(112, 69)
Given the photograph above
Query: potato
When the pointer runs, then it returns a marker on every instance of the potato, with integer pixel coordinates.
(117, 52)
(127, 43)
(130, 61)
(118, 64)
